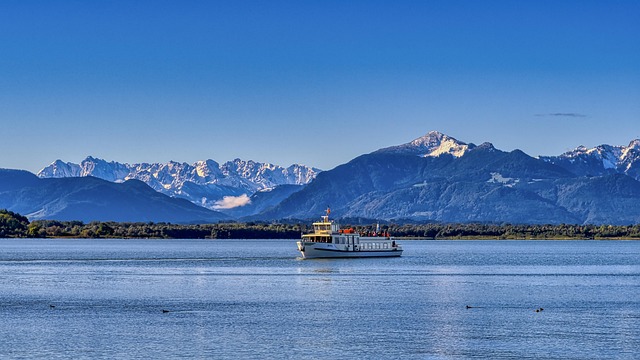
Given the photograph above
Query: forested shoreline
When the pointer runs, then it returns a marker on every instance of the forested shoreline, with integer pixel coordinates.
(14, 225)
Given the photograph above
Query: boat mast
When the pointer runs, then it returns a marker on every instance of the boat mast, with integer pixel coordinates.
(325, 218)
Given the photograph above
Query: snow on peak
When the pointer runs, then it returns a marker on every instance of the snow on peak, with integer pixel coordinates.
(60, 169)
(432, 138)
(432, 144)
(631, 152)
(602, 159)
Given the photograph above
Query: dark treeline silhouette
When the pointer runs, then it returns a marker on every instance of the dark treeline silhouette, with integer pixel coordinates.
(16, 225)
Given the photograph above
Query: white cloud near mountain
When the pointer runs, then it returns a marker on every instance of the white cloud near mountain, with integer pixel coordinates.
(230, 202)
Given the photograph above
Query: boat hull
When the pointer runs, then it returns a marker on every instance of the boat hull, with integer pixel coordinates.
(319, 251)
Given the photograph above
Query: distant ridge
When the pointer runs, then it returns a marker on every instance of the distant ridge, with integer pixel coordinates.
(92, 199)
(601, 160)
(204, 183)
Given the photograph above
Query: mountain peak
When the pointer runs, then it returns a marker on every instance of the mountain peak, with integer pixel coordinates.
(634, 144)
(433, 144)
(60, 169)
(487, 146)
(431, 138)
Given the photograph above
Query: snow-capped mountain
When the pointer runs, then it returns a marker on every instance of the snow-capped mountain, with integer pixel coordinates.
(433, 144)
(204, 182)
(110, 171)
(600, 160)
(417, 181)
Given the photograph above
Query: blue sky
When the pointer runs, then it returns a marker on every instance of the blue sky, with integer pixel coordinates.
(312, 82)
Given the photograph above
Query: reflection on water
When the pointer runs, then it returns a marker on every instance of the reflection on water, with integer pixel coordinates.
(257, 299)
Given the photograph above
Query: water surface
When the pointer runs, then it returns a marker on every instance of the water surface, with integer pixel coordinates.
(258, 299)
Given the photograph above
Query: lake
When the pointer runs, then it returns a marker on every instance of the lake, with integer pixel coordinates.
(256, 299)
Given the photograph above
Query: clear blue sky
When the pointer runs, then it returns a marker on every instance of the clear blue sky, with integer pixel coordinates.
(312, 82)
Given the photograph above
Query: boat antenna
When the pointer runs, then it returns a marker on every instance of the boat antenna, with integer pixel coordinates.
(326, 217)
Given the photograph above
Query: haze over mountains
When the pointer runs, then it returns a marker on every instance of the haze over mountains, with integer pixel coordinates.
(432, 178)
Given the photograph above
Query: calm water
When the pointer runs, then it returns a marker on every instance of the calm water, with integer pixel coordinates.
(256, 299)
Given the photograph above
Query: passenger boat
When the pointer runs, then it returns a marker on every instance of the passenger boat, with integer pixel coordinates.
(329, 241)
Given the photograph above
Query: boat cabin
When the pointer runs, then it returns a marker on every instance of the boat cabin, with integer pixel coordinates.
(322, 231)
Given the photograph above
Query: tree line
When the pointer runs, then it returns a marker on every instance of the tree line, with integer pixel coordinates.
(18, 226)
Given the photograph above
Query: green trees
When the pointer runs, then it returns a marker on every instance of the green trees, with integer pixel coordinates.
(12, 224)
(16, 225)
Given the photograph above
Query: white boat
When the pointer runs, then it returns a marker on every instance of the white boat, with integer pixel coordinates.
(329, 241)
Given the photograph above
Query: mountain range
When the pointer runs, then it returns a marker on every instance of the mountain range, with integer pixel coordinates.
(438, 178)
(432, 178)
(205, 183)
